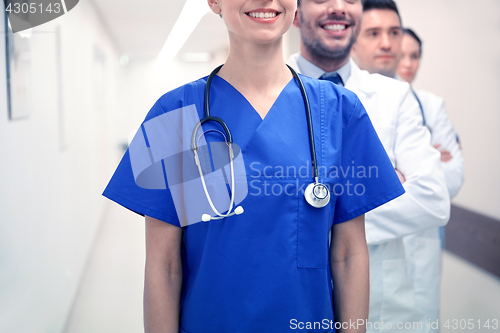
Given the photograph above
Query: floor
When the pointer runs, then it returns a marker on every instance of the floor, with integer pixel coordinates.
(110, 297)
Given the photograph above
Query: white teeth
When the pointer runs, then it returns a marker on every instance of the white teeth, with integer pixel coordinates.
(263, 15)
(334, 27)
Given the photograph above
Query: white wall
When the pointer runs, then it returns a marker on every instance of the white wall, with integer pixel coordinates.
(51, 185)
(145, 82)
(461, 63)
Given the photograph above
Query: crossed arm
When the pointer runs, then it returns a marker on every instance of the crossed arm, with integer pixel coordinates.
(426, 203)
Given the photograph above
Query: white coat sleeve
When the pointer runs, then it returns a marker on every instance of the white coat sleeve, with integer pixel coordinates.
(443, 133)
(426, 203)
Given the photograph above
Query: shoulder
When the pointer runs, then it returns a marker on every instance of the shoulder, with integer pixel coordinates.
(428, 97)
(434, 108)
(387, 85)
(376, 84)
(330, 96)
(187, 94)
(329, 91)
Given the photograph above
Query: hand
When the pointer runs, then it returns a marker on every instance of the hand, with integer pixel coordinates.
(445, 154)
(400, 176)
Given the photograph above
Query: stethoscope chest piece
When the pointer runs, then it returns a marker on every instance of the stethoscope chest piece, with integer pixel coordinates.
(317, 195)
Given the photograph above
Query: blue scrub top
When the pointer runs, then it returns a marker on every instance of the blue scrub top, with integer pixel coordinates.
(268, 269)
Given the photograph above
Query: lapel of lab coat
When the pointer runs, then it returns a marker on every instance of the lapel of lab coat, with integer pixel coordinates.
(358, 83)
(366, 86)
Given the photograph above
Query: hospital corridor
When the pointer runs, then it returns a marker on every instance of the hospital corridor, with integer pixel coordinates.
(110, 294)
(88, 88)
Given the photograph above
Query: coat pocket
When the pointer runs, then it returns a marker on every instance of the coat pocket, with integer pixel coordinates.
(398, 303)
(313, 228)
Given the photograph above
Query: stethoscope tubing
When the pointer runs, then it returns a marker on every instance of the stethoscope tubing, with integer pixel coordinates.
(207, 117)
(313, 199)
(309, 123)
(231, 157)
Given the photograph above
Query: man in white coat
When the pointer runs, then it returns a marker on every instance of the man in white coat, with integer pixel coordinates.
(378, 50)
(381, 47)
(328, 30)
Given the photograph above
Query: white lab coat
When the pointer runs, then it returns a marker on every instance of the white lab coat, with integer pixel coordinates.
(442, 132)
(396, 117)
(423, 249)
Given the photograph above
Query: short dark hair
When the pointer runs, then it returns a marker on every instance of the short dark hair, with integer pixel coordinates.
(380, 4)
(412, 33)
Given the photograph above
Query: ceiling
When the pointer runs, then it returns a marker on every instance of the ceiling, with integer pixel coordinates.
(140, 29)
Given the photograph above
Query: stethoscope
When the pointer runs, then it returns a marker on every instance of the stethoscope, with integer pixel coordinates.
(316, 193)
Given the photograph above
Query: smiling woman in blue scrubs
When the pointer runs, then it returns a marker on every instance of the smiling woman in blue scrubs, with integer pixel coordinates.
(271, 268)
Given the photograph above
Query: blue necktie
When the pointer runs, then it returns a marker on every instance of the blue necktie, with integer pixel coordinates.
(334, 77)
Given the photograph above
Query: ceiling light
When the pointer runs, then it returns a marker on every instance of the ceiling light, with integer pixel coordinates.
(191, 14)
(195, 57)
(124, 60)
(26, 33)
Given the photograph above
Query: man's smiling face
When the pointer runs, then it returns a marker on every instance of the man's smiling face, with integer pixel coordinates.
(328, 27)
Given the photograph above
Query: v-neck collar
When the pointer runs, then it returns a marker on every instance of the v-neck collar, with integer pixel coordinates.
(245, 124)
(250, 104)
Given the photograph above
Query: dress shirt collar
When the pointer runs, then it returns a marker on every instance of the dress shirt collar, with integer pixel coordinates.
(308, 68)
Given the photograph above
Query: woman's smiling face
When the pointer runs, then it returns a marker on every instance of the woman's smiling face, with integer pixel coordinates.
(256, 21)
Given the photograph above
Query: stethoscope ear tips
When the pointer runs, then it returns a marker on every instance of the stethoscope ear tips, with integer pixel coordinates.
(206, 217)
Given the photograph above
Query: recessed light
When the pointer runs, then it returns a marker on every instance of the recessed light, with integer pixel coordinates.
(195, 57)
